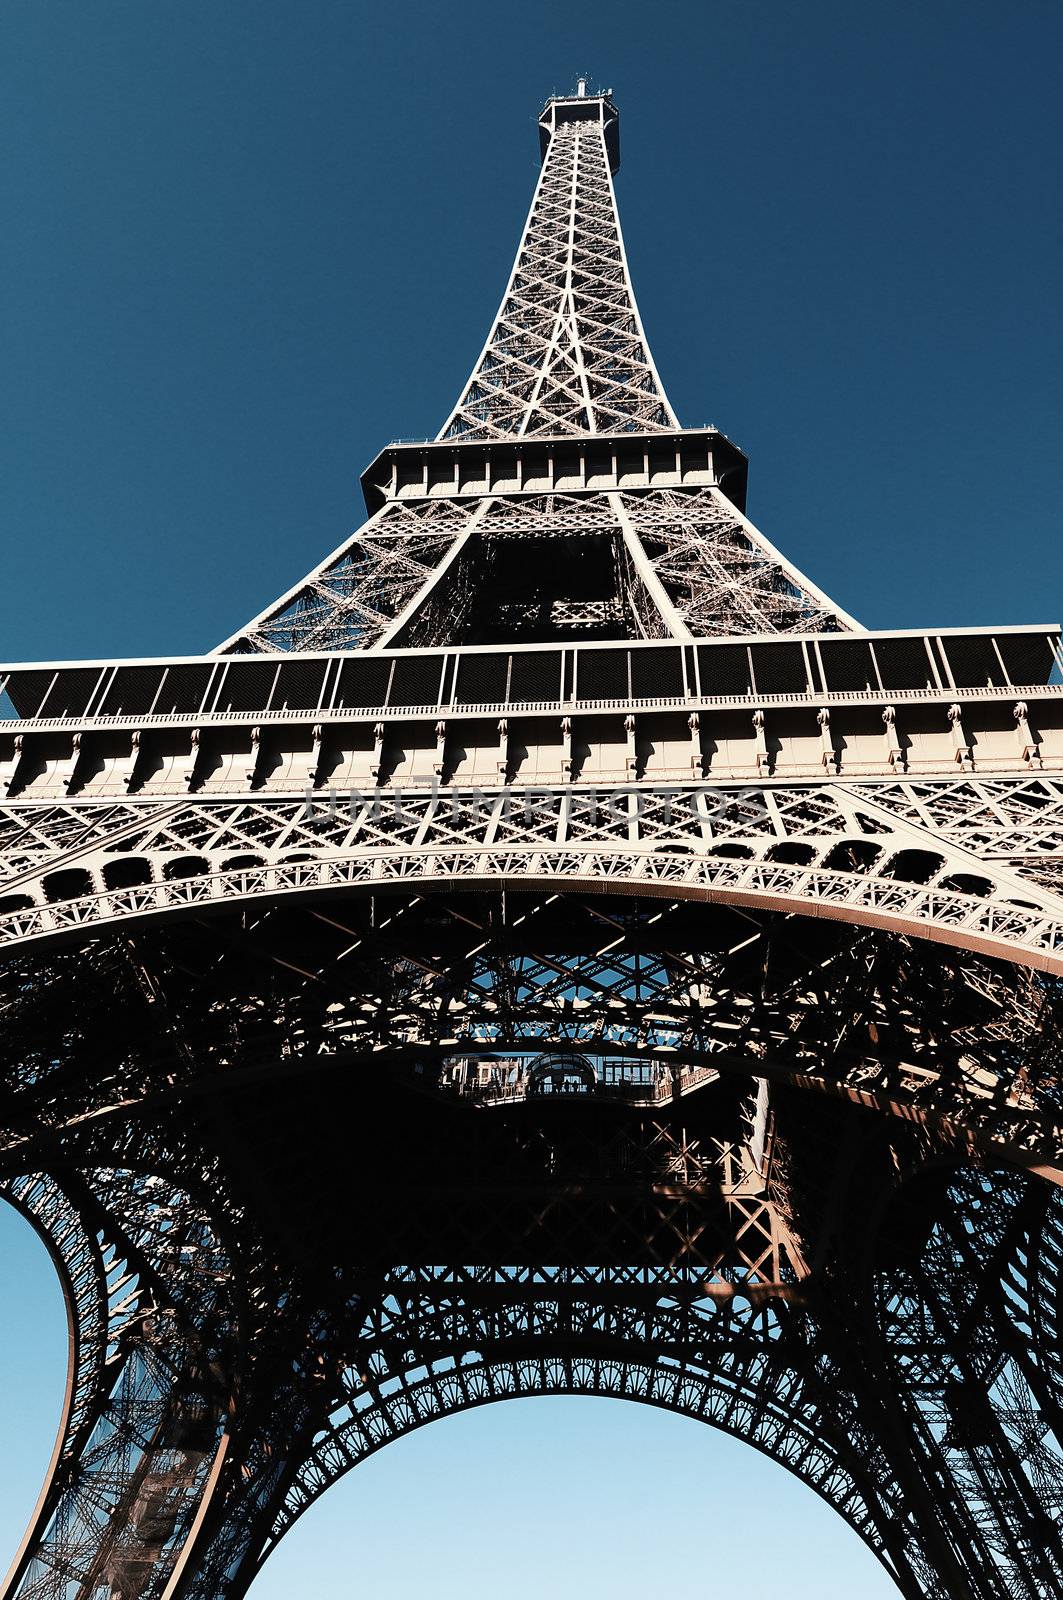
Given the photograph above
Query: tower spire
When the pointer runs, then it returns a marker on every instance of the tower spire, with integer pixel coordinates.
(567, 353)
(614, 524)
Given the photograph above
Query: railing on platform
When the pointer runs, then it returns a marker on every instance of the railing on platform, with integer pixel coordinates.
(505, 1082)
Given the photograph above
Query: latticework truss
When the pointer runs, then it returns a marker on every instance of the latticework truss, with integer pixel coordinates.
(681, 563)
(353, 598)
(939, 859)
(689, 1255)
(566, 359)
(566, 354)
(573, 958)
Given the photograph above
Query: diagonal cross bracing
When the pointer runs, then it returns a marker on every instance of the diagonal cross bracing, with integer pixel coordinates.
(566, 359)
(566, 354)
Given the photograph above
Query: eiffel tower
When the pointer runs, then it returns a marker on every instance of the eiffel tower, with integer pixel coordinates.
(552, 950)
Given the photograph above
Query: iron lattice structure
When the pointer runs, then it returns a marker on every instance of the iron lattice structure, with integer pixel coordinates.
(553, 949)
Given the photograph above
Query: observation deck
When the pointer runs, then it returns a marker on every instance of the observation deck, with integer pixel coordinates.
(583, 107)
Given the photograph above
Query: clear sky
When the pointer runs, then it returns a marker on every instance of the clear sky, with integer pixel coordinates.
(246, 242)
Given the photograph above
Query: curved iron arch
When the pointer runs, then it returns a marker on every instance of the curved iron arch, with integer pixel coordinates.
(142, 1387)
(230, 1506)
(394, 838)
(78, 1263)
(589, 1376)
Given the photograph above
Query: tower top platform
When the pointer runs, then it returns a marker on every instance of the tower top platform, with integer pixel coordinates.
(583, 107)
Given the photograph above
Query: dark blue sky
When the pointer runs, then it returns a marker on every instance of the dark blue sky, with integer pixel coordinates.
(248, 242)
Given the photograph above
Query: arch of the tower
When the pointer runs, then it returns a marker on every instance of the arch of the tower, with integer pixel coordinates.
(727, 1377)
(466, 983)
(750, 1364)
(401, 1027)
(141, 1432)
(861, 855)
(754, 1367)
(986, 922)
(443, 1342)
(727, 1362)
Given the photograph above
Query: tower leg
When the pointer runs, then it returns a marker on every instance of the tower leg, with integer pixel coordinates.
(149, 1283)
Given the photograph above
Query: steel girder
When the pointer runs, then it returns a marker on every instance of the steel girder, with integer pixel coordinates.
(142, 1432)
(880, 1323)
(689, 564)
(973, 864)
